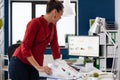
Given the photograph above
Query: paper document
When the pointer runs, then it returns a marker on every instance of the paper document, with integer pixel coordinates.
(61, 70)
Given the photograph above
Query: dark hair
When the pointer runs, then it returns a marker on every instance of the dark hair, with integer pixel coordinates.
(54, 4)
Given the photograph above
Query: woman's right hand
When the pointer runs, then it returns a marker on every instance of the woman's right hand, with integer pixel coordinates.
(45, 69)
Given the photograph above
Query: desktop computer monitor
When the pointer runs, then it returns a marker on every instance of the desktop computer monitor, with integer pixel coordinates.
(86, 46)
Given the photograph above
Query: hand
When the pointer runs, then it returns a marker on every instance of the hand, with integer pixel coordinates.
(45, 69)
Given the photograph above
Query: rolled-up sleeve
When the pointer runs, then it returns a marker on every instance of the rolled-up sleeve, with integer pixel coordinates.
(29, 38)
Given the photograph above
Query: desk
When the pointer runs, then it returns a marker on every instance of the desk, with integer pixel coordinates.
(84, 76)
(106, 76)
(84, 73)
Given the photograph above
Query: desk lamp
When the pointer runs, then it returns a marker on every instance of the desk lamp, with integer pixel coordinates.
(68, 11)
(96, 28)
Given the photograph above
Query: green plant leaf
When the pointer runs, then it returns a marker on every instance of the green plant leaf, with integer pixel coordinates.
(95, 74)
(1, 23)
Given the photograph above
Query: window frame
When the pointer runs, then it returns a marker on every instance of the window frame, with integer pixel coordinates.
(33, 14)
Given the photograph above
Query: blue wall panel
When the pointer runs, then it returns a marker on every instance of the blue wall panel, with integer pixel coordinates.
(89, 9)
(6, 26)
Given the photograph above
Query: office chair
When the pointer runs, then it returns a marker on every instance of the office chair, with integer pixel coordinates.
(11, 50)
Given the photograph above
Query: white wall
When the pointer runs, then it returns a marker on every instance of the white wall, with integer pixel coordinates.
(117, 16)
(117, 21)
(2, 29)
(117, 12)
(1, 37)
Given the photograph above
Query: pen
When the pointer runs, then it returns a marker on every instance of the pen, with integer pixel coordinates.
(65, 71)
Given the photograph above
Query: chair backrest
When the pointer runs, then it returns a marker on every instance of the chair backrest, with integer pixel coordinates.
(11, 50)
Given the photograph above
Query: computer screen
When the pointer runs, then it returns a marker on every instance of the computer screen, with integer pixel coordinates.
(83, 46)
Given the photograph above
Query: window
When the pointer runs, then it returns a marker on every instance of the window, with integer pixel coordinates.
(23, 11)
(21, 14)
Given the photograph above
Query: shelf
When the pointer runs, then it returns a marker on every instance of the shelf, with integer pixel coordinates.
(5, 57)
(109, 44)
(102, 57)
(112, 30)
(106, 50)
(5, 68)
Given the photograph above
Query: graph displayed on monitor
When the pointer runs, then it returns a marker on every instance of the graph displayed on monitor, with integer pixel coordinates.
(83, 46)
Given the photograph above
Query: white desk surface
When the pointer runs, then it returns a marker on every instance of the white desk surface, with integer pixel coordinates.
(102, 76)
(84, 75)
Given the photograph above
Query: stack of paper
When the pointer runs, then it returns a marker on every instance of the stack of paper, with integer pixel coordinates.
(61, 70)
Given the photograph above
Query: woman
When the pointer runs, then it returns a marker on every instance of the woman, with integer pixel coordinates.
(27, 60)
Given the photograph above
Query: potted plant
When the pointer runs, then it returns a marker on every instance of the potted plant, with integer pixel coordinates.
(88, 60)
(95, 76)
(88, 63)
(19, 42)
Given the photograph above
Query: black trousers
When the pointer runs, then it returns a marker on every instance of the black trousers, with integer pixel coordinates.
(21, 71)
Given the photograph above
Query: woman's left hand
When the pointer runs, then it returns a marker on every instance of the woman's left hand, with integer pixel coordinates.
(47, 70)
